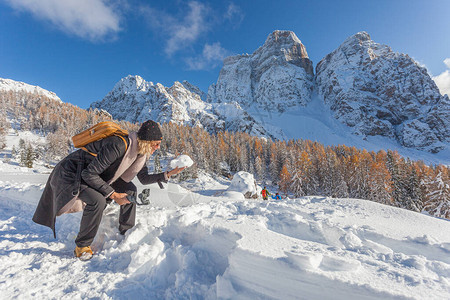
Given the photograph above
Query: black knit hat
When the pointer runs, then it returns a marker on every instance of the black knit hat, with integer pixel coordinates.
(149, 131)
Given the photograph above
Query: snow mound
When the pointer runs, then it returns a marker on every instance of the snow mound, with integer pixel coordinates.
(244, 183)
(233, 195)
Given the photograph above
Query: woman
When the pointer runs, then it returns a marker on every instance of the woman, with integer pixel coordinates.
(83, 180)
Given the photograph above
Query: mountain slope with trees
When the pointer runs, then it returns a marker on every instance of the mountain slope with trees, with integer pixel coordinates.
(297, 167)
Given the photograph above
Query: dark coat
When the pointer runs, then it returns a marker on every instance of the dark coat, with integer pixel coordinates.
(78, 171)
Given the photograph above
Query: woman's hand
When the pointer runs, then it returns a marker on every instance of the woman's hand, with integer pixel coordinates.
(175, 171)
(120, 198)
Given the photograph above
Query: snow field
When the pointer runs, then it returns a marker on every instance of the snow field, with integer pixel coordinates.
(188, 245)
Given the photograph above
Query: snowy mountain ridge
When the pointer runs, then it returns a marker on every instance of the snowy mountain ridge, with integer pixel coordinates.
(9, 85)
(133, 99)
(377, 92)
(379, 98)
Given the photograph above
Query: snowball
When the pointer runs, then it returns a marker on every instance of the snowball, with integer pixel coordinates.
(181, 161)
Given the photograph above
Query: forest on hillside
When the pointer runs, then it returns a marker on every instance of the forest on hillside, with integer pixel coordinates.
(296, 167)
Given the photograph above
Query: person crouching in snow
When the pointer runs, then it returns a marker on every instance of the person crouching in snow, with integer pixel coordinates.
(82, 180)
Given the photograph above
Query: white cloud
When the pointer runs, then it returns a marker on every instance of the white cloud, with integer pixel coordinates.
(447, 62)
(443, 80)
(183, 29)
(211, 56)
(89, 19)
(234, 14)
(181, 32)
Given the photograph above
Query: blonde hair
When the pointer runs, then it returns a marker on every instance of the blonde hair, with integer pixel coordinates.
(146, 147)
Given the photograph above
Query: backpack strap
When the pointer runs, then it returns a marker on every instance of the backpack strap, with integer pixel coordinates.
(94, 154)
(84, 149)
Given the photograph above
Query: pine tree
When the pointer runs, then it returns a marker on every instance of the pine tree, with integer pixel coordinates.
(393, 162)
(2, 138)
(299, 183)
(414, 194)
(30, 156)
(22, 157)
(380, 184)
(22, 144)
(22, 153)
(4, 126)
(334, 180)
(13, 152)
(437, 192)
(285, 179)
(259, 169)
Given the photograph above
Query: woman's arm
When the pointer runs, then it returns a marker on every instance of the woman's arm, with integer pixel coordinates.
(146, 178)
(109, 153)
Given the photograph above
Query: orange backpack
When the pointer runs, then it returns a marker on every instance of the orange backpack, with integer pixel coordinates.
(97, 132)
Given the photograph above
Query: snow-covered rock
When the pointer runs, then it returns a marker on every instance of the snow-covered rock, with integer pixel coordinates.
(376, 91)
(244, 182)
(276, 77)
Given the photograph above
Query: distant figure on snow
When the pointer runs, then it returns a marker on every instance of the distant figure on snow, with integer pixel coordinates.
(265, 193)
(82, 180)
(276, 196)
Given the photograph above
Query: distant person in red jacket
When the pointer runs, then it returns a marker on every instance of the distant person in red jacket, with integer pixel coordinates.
(265, 193)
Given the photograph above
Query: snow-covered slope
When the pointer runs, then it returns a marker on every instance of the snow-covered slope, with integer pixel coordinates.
(9, 85)
(193, 245)
(378, 92)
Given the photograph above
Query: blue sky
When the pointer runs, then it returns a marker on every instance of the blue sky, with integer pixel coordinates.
(80, 48)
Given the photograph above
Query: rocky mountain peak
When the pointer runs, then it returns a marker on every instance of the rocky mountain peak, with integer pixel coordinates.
(376, 91)
(283, 46)
(359, 37)
(277, 76)
(284, 42)
(133, 83)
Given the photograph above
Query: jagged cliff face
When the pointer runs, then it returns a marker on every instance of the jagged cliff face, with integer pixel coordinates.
(135, 100)
(378, 92)
(277, 76)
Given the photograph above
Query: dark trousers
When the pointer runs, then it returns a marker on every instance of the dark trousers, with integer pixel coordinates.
(93, 212)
